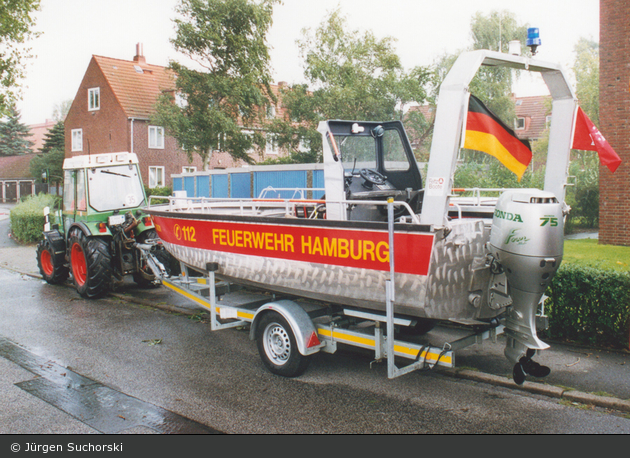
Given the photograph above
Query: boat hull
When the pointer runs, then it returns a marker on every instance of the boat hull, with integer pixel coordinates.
(342, 262)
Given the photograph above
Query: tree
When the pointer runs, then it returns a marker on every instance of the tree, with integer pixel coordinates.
(494, 84)
(54, 138)
(13, 135)
(491, 84)
(586, 69)
(16, 22)
(221, 106)
(584, 196)
(60, 110)
(51, 163)
(354, 75)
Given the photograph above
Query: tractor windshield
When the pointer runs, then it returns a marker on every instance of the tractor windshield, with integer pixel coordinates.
(115, 187)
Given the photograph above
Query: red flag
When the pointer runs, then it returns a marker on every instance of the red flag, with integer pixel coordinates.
(487, 133)
(587, 137)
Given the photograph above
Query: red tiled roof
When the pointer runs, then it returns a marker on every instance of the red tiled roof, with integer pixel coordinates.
(16, 167)
(136, 85)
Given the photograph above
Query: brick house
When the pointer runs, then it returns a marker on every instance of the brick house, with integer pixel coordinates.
(533, 116)
(614, 120)
(16, 180)
(112, 110)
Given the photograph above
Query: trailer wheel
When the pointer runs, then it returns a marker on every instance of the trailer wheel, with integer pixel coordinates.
(91, 264)
(277, 346)
(51, 269)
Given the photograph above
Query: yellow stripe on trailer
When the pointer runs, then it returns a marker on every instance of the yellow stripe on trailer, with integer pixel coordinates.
(405, 351)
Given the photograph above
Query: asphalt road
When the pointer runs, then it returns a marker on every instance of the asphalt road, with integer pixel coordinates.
(215, 380)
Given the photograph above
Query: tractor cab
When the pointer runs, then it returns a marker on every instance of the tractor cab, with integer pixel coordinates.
(100, 186)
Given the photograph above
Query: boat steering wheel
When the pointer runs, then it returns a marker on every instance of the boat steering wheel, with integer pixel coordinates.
(372, 176)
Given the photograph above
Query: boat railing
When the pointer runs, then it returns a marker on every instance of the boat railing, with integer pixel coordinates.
(271, 192)
(477, 197)
(308, 208)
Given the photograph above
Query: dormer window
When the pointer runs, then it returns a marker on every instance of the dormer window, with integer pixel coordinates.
(519, 123)
(94, 99)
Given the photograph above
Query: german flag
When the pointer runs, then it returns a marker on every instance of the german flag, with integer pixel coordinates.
(485, 132)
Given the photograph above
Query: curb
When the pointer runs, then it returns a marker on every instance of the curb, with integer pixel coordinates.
(580, 397)
(570, 395)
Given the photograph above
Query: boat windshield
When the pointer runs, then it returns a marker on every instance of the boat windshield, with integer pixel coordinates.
(115, 187)
(357, 152)
(360, 152)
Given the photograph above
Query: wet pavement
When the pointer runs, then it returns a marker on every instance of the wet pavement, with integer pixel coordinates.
(580, 375)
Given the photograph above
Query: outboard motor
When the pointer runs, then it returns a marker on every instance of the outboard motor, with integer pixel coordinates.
(527, 241)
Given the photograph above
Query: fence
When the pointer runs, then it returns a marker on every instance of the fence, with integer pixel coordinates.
(249, 182)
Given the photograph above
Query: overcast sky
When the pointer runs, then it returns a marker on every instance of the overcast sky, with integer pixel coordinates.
(74, 30)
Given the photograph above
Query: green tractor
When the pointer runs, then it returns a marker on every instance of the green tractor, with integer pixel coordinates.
(100, 227)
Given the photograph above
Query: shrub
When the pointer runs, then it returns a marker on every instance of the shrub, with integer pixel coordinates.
(160, 191)
(27, 217)
(590, 306)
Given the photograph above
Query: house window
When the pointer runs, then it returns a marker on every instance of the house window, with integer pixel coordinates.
(271, 112)
(156, 177)
(189, 169)
(94, 99)
(77, 139)
(271, 145)
(519, 123)
(156, 137)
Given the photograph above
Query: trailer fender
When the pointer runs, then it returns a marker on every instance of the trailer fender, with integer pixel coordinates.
(301, 324)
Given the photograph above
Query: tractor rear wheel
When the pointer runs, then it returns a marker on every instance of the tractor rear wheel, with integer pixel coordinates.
(91, 264)
(51, 267)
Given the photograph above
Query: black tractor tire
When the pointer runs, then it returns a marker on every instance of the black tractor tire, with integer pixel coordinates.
(277, 346)
(51, 267)
(145, 278)
(90, 263)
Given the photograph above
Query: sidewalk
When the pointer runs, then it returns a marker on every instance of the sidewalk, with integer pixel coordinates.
(579, 375)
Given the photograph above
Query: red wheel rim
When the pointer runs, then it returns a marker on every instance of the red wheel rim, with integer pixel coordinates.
(46, 260)
(79, 267)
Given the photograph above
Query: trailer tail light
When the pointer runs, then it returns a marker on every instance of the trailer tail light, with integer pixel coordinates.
(313, 341)
(147, 221)
(102, 227)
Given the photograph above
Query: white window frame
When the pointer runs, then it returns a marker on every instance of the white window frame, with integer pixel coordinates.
(94, 98)
(156, 137)
(189, 169)
(518, 121)
(271, 144)
(157, 178)
(77, 139)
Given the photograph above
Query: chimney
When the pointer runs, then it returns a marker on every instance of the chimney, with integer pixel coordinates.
(139, 57)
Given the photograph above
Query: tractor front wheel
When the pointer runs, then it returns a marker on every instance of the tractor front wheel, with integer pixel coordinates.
(91, 264)
(51, 267)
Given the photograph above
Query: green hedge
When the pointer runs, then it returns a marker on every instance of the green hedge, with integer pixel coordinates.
(27, 217)
(590, 306)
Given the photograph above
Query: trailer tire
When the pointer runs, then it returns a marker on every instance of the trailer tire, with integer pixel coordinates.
(277, 346)
(91, 264)
(51, 267)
